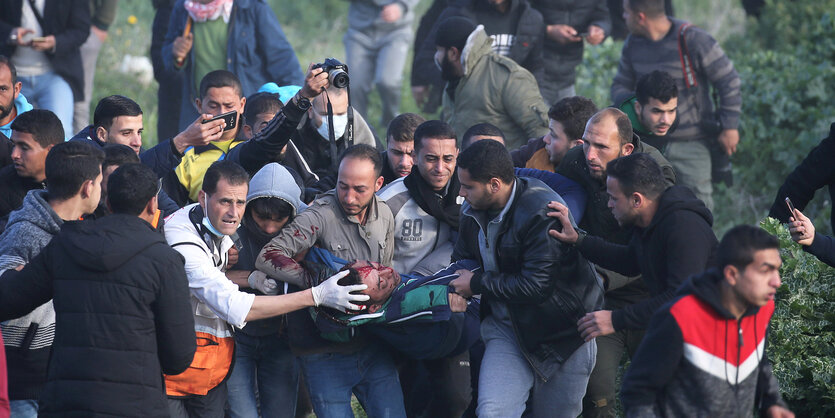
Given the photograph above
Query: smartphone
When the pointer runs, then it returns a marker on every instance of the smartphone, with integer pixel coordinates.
(39, 39)
(583, 35)
(791, 206)
(231, 119)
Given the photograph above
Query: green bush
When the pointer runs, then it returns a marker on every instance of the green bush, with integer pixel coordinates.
(785, 64)
(802, 340)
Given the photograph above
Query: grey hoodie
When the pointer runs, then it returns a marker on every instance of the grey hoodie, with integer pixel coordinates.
(273, 180)
(29, 229)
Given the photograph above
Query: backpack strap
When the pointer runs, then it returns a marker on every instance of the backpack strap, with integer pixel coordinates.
(690, 80)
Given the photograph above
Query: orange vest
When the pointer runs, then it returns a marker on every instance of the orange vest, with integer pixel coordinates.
(210, 366)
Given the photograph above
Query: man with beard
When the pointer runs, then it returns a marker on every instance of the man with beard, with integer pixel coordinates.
(12, 102)
(485, 86)
(608, 135)
(707, 133)
(671, 239)
(201, 233)
(353, 224)
(566, 121)
(653, 110)
(515, 27)
(532, 290)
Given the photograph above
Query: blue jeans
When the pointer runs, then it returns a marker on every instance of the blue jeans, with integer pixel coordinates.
(506, 380)
(25, 408)
(263, 365)
(369, 373)
(50, 91)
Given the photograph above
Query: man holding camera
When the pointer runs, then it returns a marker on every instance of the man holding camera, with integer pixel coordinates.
(316, 151)
(221, 93)
(696, 62)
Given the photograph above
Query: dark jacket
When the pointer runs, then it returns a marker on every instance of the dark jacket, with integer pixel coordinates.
(5, 150)
(678, 243)
(525, 51)
(548, 285)
(598, 219)
(687, 364)
(69, 22)
(823, 247)
(561, 60)
(162, 155)
(122, 316)
(13, 189)
(310, 155)
(816, 171)
(257, 52)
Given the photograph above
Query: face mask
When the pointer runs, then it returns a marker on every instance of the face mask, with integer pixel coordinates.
(340, 122)
(206, 222)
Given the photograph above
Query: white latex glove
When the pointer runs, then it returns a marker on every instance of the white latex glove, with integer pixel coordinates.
(329, 293)
(258, 280)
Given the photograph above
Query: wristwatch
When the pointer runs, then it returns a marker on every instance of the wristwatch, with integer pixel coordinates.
(302, 102)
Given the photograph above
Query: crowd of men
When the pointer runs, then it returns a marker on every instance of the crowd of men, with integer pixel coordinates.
(271, 254)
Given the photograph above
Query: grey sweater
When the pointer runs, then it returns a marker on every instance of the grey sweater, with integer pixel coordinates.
(28, 339)
(711, 66)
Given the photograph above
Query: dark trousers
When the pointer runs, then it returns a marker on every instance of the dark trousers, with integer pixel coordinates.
(437, 387)
(170, 90)
(602, 389)
(210, 405)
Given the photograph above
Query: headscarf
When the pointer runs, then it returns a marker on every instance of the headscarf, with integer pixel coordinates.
(200, 12)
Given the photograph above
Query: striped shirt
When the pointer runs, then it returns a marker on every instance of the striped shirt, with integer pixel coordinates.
(712, 67)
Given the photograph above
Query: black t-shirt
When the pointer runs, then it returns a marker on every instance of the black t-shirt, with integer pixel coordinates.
(500, 26)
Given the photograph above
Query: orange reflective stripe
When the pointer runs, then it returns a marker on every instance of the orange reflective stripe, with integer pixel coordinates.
(210, 366)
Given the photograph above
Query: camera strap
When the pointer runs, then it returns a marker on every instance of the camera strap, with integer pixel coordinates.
(349, 130)
(332, 136)
(38, 15)
(684, 55)
(690, 80)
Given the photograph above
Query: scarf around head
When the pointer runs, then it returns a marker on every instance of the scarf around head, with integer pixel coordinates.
(200, 12)
(443, 208)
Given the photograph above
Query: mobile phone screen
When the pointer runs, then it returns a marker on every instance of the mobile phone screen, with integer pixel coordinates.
(791, 206)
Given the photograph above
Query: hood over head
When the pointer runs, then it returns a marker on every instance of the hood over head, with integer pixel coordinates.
(274, 180)
(478, 45)
(107, 243)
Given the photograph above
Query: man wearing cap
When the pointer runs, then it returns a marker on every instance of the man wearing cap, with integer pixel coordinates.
(482, 85)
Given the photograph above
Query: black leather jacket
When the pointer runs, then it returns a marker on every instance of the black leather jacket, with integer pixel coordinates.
(546, 284)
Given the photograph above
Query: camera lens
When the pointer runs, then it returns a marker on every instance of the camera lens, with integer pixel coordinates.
(338, 78)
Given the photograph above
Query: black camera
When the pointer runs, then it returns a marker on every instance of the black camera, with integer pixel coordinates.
(337, 72)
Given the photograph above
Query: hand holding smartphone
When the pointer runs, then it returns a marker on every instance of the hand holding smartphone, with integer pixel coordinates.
(790, 206)
(231, 119)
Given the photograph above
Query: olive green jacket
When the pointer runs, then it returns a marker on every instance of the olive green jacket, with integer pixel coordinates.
(497, 90)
